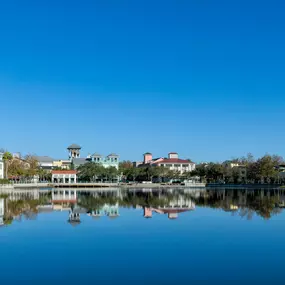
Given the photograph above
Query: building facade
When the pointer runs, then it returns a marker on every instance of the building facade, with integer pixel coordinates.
(62, 163)
(172, 162)
(111, 160)
(74, 151)
(45, 162)
(2, 211)
(1, 166)
(238, 171)
(64, 176)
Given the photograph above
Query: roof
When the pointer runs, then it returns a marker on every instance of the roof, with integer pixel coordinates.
(96, 154)
(173, 153)
(71, 201)
(64, 172)
(74, 223)
(147, 153)
(43, 158)
(79, 161)
(112, 154)
(155, 159)
(174, 160)
(74, 146)
(173, 210)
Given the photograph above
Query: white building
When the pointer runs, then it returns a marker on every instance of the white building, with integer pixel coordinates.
(74, 151)
(173, 162)
(1, 166)
(45, 162)
(64, 176)
(64, 196)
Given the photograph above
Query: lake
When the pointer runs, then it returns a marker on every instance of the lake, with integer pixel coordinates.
(142, 236)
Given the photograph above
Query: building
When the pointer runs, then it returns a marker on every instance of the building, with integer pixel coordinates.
(64, 197)
(172, 162)
(61, 163)
(17, 155)
(64, 176)
(112, 211)
(45, 162)
(2, 212)
(147, 158)
(137, 163)
(147, 212)
(1, 166)
(230, 164)
(111, 160)
(74, 151)
(79, 161)
(178, 205)
(238, 171)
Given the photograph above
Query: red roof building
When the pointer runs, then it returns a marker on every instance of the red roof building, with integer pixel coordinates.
(64, 172)
(173, 162)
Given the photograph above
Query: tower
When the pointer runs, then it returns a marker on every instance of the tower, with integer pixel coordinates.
(147, 157)
(74, 151)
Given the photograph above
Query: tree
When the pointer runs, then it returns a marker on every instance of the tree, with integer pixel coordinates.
(33, 168)
(214, 172)
(266, 168)
(89, 171)
(132, 173)
(111, 173)
(125, 164)
(7, 157)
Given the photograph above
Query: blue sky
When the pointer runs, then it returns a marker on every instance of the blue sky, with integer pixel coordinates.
(203, 78)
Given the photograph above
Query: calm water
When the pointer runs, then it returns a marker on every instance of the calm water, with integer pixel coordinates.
(193, 236)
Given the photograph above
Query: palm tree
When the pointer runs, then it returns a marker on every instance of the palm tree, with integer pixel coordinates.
(7, 157)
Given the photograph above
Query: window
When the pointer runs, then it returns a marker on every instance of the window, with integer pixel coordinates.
(176, 165)
(185, 165)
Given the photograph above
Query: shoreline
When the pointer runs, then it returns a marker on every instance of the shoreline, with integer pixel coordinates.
(106, 186)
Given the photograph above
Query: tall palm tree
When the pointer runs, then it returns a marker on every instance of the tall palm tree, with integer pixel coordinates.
(7, 157)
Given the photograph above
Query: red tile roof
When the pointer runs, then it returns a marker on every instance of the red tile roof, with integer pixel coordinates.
(73, 201)
(64, 172)
(173, 160)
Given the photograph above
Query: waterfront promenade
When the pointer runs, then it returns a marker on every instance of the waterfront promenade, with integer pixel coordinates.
(99, 185)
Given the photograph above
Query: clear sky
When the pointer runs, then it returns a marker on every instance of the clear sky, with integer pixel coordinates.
(203, 78)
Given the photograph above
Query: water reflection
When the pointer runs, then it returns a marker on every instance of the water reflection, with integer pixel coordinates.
(16, 205)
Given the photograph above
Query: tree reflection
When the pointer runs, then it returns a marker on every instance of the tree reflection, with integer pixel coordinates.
(245, 203)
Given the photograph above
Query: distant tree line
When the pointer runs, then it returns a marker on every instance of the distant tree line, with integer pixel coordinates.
(266, 169)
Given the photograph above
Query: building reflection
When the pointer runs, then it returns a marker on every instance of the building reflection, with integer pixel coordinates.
(2, 211)
(174, 207)
(100, 203)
